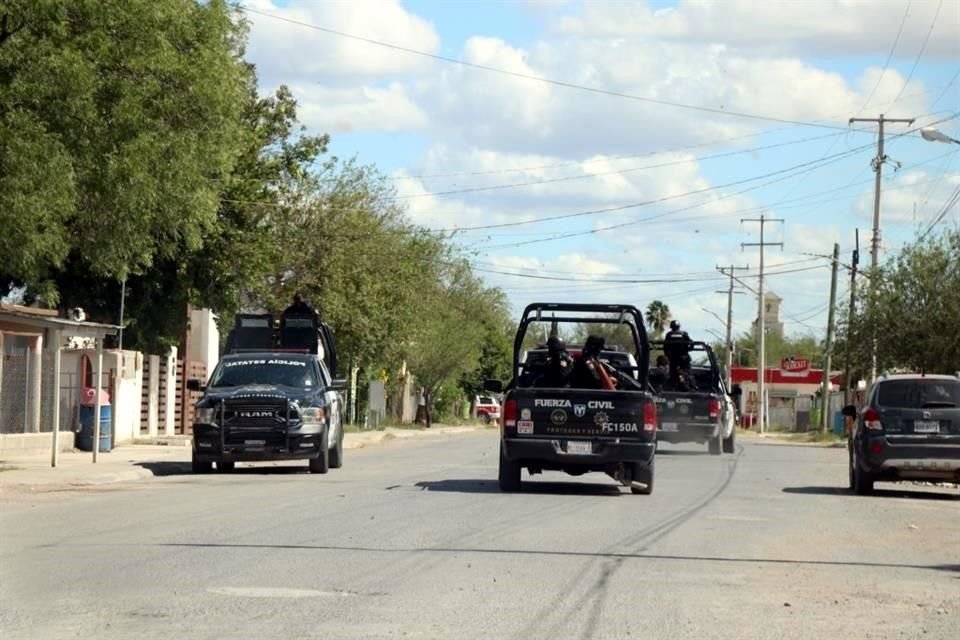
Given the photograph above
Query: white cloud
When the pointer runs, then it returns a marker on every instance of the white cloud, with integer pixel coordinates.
(285, 50)
(365, 108)
(911, 199)
(819, 27)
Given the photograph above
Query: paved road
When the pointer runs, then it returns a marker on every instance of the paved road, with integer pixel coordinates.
(413, 540)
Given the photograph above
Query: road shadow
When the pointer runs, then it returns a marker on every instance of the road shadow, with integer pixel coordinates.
(161, 469)
(878, 493)
(478, 485)
(681, 452)
(532, 553)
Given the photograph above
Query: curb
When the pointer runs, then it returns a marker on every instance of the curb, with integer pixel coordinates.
(48, 480)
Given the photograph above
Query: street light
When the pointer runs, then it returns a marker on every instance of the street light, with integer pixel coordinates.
(715, 316)
(931, 134)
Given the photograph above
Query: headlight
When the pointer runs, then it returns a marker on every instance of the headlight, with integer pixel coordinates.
(312, 414)
(207, 415)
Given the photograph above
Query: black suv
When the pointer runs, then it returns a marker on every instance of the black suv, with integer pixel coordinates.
(909, 429)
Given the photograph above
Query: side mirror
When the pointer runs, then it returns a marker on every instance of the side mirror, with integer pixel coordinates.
(339, 384)
(736, 390)
(493, 386)
(193, 384)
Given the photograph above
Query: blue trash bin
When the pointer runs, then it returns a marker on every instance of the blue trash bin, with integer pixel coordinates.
(85, 437)
(839, 427)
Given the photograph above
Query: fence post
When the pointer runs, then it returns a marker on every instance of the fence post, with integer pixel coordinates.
(170, 384)
(153, 395)
(36, 384)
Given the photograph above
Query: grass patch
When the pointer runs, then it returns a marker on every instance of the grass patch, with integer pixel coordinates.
(810, 436)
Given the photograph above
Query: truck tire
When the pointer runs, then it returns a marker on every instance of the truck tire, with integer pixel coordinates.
(200, 466)
(485, 418)
(336, 454)
(509, 473)
(643, 473)
(729, 444)
(862, 480)
(714, 445)
(320, 464)
(226, 466)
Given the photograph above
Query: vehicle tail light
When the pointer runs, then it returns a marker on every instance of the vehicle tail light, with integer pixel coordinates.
(650, 417)
(714, 408)
(877, 447)
(510, 415)
(871, 420)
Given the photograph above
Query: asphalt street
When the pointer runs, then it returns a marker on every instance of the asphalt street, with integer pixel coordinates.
(414, 540)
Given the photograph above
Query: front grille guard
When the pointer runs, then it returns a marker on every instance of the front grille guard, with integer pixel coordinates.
(223, 433)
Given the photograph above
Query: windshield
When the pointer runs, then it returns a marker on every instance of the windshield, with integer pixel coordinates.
(286, 372)
(919, 394)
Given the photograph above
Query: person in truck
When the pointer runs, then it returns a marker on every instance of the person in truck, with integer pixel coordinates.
(300, 307)
(588, 371)
(676, 346)
(660, 373)
(558, 367)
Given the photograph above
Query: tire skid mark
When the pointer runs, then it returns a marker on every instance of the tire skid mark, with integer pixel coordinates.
(645, 538)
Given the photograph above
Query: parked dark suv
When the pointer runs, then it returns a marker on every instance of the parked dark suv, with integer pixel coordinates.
(909, 429)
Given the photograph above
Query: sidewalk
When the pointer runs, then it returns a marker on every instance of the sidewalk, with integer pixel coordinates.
(129, 463)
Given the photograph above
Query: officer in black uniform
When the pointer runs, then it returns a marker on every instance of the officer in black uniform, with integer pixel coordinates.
(676, 346)
(559, 365)
(585, 374)
(660, 373)
(300, 307)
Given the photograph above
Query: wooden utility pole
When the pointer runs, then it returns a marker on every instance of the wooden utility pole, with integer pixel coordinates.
(762, 324)
(855, 260)
(825, 389)
(730, 291)
(877, 163)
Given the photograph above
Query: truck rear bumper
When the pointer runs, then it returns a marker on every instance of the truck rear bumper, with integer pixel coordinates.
(689, 432)
(603, 452)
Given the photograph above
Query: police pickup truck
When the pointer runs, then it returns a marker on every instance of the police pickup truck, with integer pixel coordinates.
(693, 404)
(272, 397)
(608, 426)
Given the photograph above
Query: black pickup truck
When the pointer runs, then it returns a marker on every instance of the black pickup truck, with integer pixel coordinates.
(695, 408)
(578, 429)
(273, 397)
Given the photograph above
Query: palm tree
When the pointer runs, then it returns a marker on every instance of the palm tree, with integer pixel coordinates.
(658, 316)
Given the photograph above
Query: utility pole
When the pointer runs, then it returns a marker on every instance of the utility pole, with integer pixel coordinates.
(762, 328)
(855, 260)
(825, 391)
(730, 291)
(877, 163)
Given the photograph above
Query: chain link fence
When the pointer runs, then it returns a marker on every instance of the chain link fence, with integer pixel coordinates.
(17, 390)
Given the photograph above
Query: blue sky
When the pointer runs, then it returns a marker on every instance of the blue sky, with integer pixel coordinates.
(571, 151)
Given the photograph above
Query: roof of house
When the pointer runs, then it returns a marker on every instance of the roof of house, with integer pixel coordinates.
(47, 319)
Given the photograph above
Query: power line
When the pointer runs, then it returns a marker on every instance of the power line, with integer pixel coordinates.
(600, 174)
(922, 49)
(886, 64)
(645, 203)
(541, 79)
(951, 202)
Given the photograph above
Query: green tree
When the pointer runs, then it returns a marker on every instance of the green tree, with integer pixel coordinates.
(658, 317)
(496, 352)
(449, 339)
(128, 111)
(916, 310)
(618, 335)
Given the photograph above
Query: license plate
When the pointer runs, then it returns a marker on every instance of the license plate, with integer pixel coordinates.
(254, 443)
(669, 426)
(926, 426)
(580, 447)
(525, 427)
